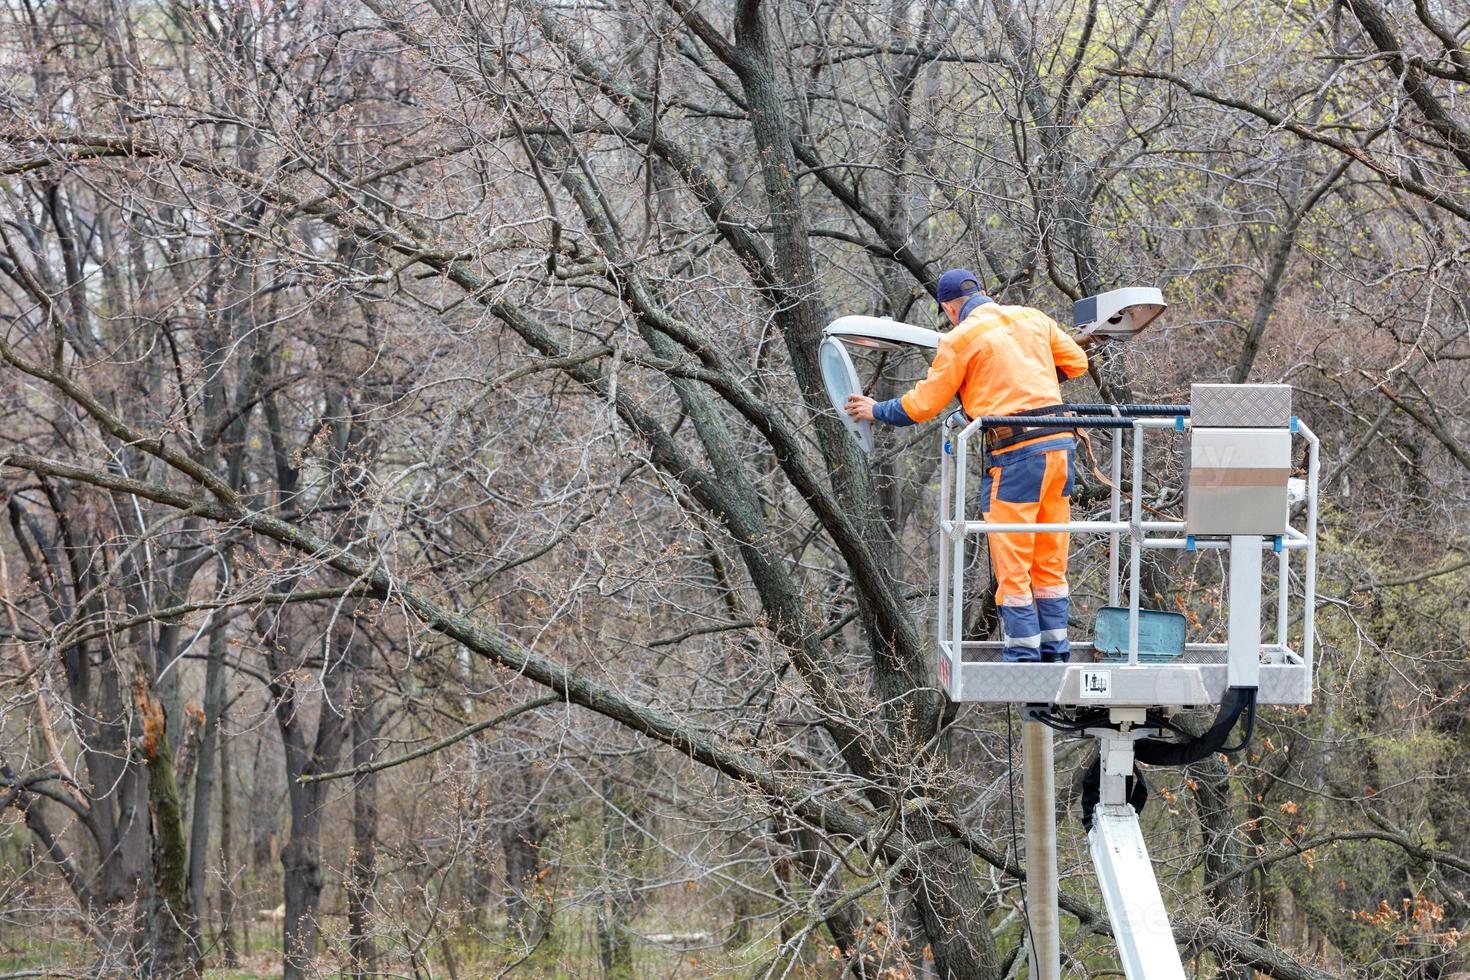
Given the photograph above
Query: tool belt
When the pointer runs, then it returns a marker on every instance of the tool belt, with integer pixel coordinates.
(1005, 436)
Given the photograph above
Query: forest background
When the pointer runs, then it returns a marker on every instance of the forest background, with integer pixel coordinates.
(427, 550)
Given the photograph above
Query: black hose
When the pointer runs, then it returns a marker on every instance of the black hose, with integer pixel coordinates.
(1236, 702)
(1057, 421)
(1068, 726)
(1250, 728)
(1154, 411)
(1155, 752)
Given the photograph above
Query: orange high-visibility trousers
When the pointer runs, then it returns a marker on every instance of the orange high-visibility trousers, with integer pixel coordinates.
(1032, 484)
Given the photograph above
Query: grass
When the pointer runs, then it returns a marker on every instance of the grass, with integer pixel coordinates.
(569, 954)
(476, 949)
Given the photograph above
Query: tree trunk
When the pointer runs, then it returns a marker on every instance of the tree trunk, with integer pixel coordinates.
(1222, 852)
(624, 847)
(171, 937)
(229, 953)
(302, 890)
(264, 816)
(909, 923)
(364, 820)
(214, 684)
(124, 786)
(952, 906)
(947, 892)
(301, 855)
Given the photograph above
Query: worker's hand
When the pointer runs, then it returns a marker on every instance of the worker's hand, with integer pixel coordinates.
(860, 408)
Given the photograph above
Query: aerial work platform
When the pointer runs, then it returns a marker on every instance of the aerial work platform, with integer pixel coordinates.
(971, 670)
(1240, 445)
(1240, 442)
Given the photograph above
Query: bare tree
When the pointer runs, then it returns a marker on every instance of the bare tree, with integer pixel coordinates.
(426, 397)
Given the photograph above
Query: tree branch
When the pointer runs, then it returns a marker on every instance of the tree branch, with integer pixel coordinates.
(433, 747)
(1393, 178)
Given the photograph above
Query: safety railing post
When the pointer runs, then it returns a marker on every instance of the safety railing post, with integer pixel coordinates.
(957, 570)
(946, 477)
(1283, 595)
(1115, 514)
(1135, 543)
(1309, 584)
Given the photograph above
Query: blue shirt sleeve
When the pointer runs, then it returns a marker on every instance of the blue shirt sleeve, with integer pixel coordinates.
(892, 412)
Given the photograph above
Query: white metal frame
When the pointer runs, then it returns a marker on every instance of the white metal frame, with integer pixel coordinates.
(971, 671)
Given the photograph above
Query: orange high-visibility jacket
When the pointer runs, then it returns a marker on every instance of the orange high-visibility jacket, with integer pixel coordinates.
(1000, 360)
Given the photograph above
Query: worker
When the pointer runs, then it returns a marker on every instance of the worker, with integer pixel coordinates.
(1007, 360)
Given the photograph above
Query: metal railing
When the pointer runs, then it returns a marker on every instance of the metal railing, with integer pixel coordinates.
(1123, 421)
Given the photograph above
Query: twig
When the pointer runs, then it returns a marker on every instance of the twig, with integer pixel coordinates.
(479, 726)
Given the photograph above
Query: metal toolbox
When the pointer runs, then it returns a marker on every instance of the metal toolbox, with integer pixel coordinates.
(1239, 459)
(1237, 481)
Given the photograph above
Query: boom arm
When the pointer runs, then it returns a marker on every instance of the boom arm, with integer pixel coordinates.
(1120, 858)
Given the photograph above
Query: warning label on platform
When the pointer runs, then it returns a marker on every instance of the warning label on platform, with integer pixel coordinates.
(1097, 684)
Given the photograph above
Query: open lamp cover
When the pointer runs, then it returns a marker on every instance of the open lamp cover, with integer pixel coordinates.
(839, 374)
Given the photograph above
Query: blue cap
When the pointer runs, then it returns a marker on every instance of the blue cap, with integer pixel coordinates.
(956, 283)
